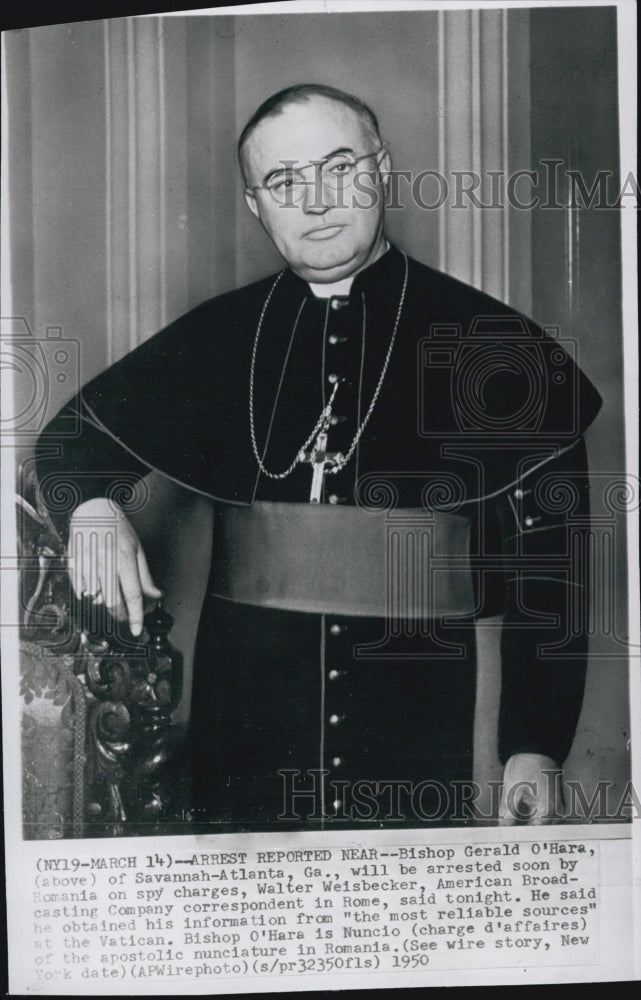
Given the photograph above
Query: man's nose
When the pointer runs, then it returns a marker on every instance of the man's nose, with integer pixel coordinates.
(319, 196)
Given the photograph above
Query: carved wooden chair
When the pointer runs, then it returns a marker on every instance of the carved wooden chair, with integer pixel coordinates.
(101, 754)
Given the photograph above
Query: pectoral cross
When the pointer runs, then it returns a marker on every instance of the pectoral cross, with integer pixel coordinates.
(321, 460)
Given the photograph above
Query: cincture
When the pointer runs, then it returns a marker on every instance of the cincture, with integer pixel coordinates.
(343, 560)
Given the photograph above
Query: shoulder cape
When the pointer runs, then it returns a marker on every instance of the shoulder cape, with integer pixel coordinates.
(490, 384)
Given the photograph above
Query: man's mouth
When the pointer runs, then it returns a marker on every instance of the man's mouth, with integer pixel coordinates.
(322, 232)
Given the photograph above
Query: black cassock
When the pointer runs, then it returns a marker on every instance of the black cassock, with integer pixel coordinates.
(336, 655)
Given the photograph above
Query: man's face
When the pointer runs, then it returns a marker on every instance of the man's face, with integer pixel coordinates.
(331, 232)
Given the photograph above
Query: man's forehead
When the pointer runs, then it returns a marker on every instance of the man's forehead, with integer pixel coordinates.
(305, 131)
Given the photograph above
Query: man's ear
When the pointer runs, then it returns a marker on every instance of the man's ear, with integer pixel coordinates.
(250, 198)
(384, 160)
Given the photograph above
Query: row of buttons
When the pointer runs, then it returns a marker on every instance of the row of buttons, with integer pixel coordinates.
(528, 521)
(336, 303)
(333, 675)
(335, 418)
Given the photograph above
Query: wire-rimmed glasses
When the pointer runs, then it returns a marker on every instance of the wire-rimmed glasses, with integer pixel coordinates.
(336, 172)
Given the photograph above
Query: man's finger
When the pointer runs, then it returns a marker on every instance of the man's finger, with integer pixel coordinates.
(131, 591)
(109, 571)
(506, 815)
(75, 563)
(516, 807)
(92, 556)
(149, 588)
(545, 811)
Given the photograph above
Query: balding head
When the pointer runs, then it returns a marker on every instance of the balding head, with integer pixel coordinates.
(302, 94)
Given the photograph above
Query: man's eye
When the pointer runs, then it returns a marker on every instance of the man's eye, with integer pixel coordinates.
(341, 168)
(284, 183)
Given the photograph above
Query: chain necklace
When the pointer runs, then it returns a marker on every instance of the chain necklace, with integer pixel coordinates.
(322, 424)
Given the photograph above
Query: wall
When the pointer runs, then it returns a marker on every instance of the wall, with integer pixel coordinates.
(576, 287)
(447, 98)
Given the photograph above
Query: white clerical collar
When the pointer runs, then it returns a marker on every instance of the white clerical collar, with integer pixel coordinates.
(341, 287)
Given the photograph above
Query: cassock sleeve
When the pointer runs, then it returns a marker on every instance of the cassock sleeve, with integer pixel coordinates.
(544, 525)
(77, 460)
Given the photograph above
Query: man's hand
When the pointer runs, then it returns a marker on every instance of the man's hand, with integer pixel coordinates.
(108, 563)
(531, 791)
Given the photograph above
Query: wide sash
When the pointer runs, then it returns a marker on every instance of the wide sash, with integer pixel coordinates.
(327, 559)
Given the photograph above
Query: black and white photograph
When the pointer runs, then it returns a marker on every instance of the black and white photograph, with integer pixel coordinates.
(320, 496)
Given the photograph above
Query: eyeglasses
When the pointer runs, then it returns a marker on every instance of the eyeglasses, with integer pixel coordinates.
(337, 172)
